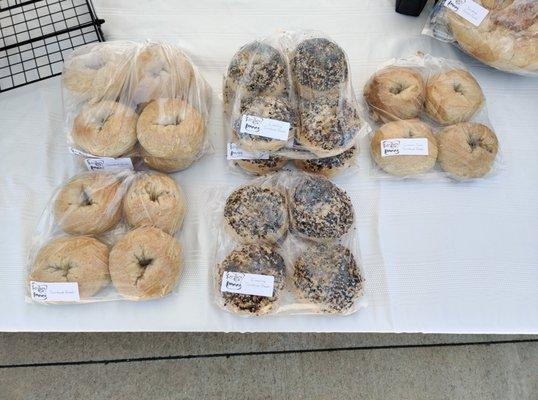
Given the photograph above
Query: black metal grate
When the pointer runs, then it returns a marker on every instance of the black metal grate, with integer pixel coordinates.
(36, 35)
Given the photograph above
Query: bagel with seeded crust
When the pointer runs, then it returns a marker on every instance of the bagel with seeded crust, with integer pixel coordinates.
(319, 210)
(329, 166)
(258, 259)
(328, 277)
(256, 213)
(319, 68)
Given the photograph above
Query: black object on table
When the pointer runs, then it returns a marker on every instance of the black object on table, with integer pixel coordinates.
(410, 7)
(36, 35)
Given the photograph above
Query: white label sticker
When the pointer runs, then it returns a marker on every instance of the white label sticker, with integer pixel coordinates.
(266, 127)
(94, 164)
(468, 9)
(234, 152)
(54, 291)
(253, 284)
(404, 147)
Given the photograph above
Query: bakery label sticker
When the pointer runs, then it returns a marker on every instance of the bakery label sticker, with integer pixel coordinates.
(468, 9)
(234, 152)
(95, 164)
(404, 147)
(253, 284)
(54, 291)
(266, 127)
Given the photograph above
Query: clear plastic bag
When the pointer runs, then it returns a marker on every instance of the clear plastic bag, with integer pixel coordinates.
(506, 38)
(432, 121)
(108, 235)
(142, 100)
(286, 244)
(290, 95)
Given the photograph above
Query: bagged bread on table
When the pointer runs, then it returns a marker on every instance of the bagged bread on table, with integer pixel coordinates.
(289, 96)
(431, 121)
(286, 244)
(500, 33)
(108, 235)
(145, 101)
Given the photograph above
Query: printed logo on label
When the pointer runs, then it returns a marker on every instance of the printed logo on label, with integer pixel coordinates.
(266, 127)
(468, 9)
(252, 284)
(404, 147)
(94, 164)
(234, 152)
(54, 291)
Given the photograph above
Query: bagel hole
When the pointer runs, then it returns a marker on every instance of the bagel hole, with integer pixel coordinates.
(167, 120)
(144, 261)
(153, 196)
(458, 88)
(397, 89)
(86, 199)
(473, 142)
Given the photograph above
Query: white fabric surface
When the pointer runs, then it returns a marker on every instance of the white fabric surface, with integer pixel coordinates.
(438, 257)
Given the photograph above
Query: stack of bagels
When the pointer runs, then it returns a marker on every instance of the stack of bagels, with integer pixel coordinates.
(301, 79)
(136, 100)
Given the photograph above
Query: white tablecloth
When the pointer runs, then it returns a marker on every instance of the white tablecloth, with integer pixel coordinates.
(438, 257)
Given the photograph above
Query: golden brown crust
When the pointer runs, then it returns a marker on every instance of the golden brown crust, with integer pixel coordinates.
(161, 71)
(154, 200)
(106, 129)
(171, 128)
(395, 93)
(145, 264)
(404, 165)
(80, 259)
(89, 204)
(453, 96)
(467, 150)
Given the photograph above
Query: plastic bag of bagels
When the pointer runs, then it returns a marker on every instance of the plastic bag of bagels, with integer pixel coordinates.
(289, 96)
(107, 235)
(145, 101)
(286, 244)
(431, 121)
(499, 33)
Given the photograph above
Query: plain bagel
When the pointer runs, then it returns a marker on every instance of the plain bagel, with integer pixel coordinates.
(161, 71)
(89, 203)
(453, 96)
(467, 150)
(106, 129)
(145, 264)
(79, 259)
(154, 200)
(404, 165)
(395, 93)
(171, 128)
